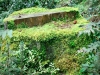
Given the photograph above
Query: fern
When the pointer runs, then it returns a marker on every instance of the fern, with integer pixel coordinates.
(93, 50)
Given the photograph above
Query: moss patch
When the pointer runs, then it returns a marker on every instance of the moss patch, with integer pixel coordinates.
(38, 10)
(49, 31)
(29, 11)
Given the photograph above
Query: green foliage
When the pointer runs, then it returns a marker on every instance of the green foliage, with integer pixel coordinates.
(52, 40)
(92, 29)
(90, 67)
(4, 33)
(65, 55)
(93, 50)
(63, 3)
(88, 8)
(72, 44)
(34, 55)
(17, 5)
(9, 6)
(25, 61)
(11, 25)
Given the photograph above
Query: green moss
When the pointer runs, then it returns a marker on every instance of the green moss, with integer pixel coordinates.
(66, 9)
(8, 19)
(44, 33)
(67, 62)
(38, 10)
(29, 10)
(50, 30)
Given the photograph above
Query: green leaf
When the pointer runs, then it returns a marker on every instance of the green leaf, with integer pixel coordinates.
(90, 74)
(83, 69)
(4, 33)
(92, 65)
(9, 33)
(85, 65)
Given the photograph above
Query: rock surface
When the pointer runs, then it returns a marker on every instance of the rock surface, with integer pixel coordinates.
(42, 18)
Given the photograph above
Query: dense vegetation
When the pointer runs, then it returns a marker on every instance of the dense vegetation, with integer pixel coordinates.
(57, 47)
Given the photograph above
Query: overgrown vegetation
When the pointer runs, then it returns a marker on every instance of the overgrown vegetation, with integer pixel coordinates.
(9, 6)
(43, 51)
(20, 56)
(92, 63)
(52, 42)
(39, 10)
(52, 49)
